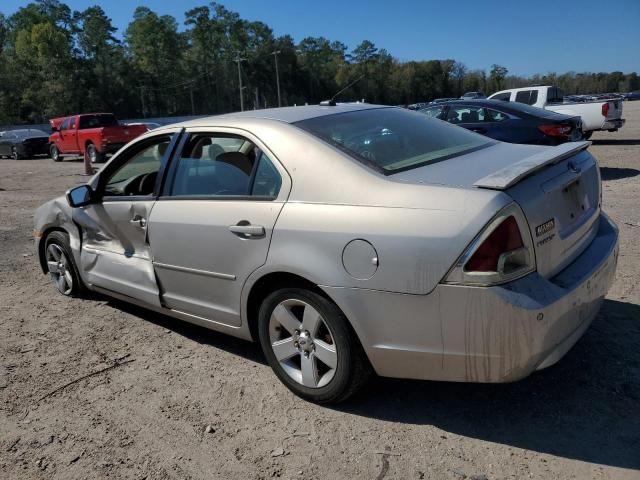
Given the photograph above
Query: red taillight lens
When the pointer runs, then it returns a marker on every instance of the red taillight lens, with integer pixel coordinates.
(505, 238)
(605, 109)
(556, 130)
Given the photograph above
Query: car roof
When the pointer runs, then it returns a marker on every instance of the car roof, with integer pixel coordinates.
(286, 114)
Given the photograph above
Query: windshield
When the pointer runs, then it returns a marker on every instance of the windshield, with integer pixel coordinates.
(97, 121)
(392, 139)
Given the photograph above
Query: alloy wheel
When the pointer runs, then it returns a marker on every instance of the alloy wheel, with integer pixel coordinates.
(302, 343)
(60, 273)
(14, 153)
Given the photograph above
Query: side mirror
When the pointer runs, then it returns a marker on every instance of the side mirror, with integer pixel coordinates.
(80, 196)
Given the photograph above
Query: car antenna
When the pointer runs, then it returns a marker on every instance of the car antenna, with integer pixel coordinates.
(332, 101)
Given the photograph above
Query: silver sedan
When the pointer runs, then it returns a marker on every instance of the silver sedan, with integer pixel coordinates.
(347, 240)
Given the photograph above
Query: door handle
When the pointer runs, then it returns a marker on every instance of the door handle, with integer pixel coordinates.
(139, 220)
(247, 230)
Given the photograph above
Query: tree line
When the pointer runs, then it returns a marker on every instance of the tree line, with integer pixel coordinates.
(55, 61)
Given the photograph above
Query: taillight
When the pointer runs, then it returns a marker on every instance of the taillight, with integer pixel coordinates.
(556, 130)
(502, 252)
(605, 109)
(504, 239)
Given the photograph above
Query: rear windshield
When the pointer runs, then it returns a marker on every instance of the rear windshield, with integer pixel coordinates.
(534, 111)
(392, 140)
(97, 121)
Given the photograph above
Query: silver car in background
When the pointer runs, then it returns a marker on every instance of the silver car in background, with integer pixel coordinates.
(347, 240)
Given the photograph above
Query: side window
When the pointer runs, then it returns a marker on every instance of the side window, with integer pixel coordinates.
(466, 115)
(72, 123)
(138, 174)
(528, 97)
(502, 96)
(221, 165)
(65, 124)
(267, 181)
(434, 112)
(495, 116)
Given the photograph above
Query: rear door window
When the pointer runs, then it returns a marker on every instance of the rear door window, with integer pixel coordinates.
(467, 114)
(528, 97)
(222, 165)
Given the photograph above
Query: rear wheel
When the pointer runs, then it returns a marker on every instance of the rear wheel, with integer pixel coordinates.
(60, 265)
(94, 155)
(310, 346)
(54, 153)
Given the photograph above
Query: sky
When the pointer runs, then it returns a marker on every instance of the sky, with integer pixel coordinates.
(527, 37)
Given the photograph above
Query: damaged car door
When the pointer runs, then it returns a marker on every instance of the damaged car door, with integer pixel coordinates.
(115, 253)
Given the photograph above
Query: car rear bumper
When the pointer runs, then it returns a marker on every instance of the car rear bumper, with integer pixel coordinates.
(613, 124)
(480, 334)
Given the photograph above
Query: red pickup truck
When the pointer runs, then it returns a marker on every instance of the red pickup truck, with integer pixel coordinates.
(92, 134)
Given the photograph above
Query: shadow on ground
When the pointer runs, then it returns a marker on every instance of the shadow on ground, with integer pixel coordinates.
(586, 407)
(616, 142)
(616, 173)
(250, 351)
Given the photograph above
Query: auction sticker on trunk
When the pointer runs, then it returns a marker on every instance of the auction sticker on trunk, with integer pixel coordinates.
(545, 228)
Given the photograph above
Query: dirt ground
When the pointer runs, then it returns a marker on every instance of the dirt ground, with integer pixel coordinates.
(148, 419)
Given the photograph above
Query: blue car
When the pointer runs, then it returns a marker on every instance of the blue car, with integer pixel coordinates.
(509, 121)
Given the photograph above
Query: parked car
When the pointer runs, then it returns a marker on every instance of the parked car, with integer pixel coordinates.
(632, 96)
(595, 115)
(509, 122)
(473, 95)
(397, 243)
(442, 100)
(91, 134)
(24, 143)
(417, 106)
(147, 125)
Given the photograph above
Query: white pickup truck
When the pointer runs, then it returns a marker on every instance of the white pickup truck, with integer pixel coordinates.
(602, 115)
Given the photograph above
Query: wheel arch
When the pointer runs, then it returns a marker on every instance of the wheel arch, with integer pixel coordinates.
(42, 243)
(272, 281)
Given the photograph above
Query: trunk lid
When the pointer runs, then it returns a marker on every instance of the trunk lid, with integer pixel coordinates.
(558, 189)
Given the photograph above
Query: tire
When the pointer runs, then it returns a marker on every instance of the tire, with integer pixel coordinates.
(327, 378)
(54, 153)
(94, 155)
(14, 154)
(587, 135)
(61, 267)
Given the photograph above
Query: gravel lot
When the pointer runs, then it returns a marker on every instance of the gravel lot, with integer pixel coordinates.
(196, 404)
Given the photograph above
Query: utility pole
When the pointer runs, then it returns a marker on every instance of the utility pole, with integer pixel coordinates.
(240, 87)
(142, 100)
(193, 106)
(275, 59)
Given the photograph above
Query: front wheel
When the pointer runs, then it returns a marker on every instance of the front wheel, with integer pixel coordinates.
(60, 265)
(310, 346)
(54, 153)
(94, 155)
